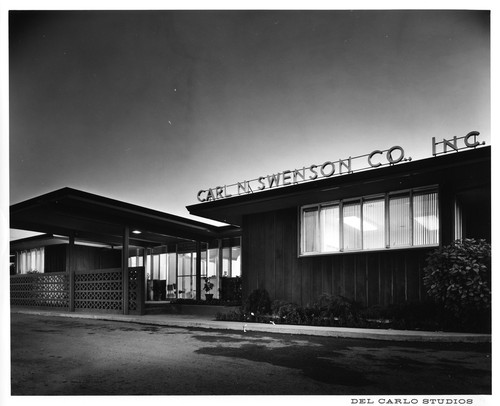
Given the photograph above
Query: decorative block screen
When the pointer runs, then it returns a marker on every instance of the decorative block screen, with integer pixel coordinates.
(44, 290)
(133, 288)
(99, 290)
(94, 290)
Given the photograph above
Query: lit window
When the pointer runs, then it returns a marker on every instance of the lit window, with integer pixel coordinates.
(374, 224)
(399, 221)
(393, 220)
(352, 226)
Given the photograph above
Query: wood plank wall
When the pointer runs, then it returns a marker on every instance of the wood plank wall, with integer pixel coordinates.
(87, 258)
(270, 261)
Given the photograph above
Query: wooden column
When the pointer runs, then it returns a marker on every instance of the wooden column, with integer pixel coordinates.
(141, 305)
(144, 258)
(71, 271)
(125, 287)
(198, 270)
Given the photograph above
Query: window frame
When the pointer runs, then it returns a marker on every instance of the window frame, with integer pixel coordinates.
(361, 199)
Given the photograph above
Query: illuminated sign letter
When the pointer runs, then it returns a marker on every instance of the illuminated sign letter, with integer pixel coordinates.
(272, 179)
(448, 143)
(296, 173)
(261, 181)
(313, 170)
(245, 187)
(326, 175)
(287, 178)
(377, 151)
(393, 161)
(472, 144)
(202, 199)
(218, 192)
(210, 195)
(348, 165)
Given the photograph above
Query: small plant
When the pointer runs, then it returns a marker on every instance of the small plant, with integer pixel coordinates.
(208, 285)
(207, 288)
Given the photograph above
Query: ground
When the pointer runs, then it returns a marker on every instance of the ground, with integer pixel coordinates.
(62, 356)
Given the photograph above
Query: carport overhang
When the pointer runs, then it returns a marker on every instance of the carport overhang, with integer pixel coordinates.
(86, 217)
(93, 218)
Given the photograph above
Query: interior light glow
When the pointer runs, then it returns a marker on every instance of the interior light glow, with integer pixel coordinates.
(429, 222)
(355, 222)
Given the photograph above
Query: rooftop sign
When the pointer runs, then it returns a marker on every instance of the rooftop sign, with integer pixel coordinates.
(375, 159)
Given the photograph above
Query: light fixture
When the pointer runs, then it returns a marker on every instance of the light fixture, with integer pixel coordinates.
(136, 232)
(355, 222)
(431, 223)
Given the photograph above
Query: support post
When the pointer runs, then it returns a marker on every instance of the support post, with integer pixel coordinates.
(71, 271)
(146, 278)
(198, 270)
(125, 277)
(140, 291)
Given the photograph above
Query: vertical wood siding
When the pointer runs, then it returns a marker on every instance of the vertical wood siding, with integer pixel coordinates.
(270, 261)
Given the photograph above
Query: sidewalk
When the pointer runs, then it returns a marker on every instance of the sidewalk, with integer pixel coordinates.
(207, 322)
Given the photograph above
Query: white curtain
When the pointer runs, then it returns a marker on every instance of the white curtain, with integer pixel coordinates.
(330, 228)
(31, 260)
(374, 224)
(310, 230)
(425, 219)
(399, 219)
(352, 226)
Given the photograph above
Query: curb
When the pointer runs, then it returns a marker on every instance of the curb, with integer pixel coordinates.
(334, 332)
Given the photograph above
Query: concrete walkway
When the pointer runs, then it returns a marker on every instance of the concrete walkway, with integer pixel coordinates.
(207, 322)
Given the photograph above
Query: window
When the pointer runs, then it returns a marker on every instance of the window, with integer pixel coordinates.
(352, 226)
(393, 220)
(374, 224)
(399, 221)
(32, 260)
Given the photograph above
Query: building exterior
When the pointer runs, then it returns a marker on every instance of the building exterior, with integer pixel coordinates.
(334, 228)
(363, 235)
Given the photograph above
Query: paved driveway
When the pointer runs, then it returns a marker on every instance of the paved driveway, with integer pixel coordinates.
(62, 356)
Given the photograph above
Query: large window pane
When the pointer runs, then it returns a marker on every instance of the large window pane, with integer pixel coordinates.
(374, 224)
(399, 221)
(329, 226)
(163, 266)
(235, 261)
(352, 226)
(310, 232)
(425, 219)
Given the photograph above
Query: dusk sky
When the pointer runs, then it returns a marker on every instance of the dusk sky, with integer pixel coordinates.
(148, 107)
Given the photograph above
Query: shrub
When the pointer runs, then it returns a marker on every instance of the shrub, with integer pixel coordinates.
(457, 276)
(289, 313)
(258, 303)
(339, 310)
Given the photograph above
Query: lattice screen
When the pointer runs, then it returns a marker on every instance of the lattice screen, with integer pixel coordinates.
(98, 290)
(45, 290)
(133, 288)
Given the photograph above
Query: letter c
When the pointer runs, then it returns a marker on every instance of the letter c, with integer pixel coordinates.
(471, 144)
(377, 151)
(199, 196)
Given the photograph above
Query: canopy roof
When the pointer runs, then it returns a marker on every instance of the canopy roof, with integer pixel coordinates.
(90, 217)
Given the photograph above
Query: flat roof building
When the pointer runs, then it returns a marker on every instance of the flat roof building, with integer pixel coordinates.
(341, 228)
